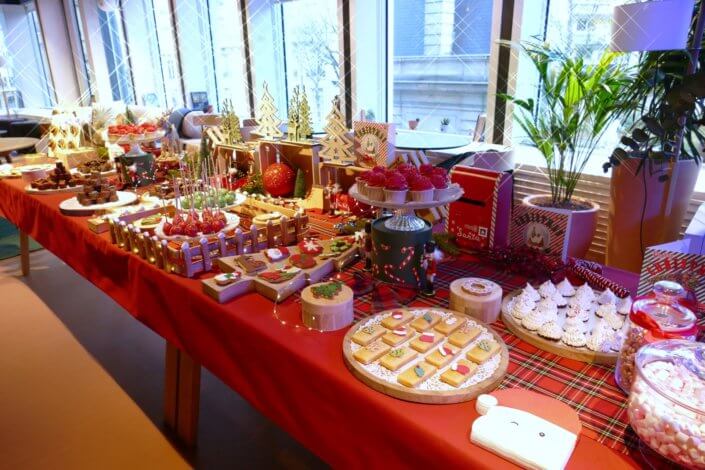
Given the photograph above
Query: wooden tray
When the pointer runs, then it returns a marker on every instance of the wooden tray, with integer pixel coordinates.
(582, 354)
(436, 397)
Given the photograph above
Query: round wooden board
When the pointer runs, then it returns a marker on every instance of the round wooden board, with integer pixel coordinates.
(434, 397)
(555, 347)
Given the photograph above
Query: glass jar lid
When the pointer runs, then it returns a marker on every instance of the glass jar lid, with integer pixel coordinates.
(665, 307)
(676, 370)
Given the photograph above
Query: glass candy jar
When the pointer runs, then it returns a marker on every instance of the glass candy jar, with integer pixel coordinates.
(654, 317)
(666, 405)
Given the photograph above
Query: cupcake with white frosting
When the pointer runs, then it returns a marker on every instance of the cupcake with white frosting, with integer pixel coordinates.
(605, 309)
(521, 309)
(534, 320)
(547, 306)
(547, 289)
(565, 288)
(614, 320)
(574, 337)
(559, 300)
(551, 330)
(531, 293)
(624, 306)
(607, 297)
(600, 341)
(508, 306)
(585, 293)
(526, 298)
(574, 323)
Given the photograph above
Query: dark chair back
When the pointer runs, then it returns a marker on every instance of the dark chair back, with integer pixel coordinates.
(25, 129)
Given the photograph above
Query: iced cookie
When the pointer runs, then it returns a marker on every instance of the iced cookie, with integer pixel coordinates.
(483, 350)
(371, 352)
(367, 334)
(397, 358)
(250, 264)
(459, 373)
(398, 336)
(276, 254)
(442, 356)
(449, 325)
(416, 374)
(464, 335)
(425, 321)
(426, 340)
(227, 278)
(396, 319)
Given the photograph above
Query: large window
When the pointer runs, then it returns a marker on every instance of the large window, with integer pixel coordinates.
(25, 80)
(116, 56)
(369, 59)
(441, 62)
(296, 44)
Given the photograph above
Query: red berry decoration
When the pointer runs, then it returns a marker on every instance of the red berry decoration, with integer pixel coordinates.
(279, 180)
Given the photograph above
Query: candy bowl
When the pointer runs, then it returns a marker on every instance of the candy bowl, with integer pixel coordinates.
(666, 405)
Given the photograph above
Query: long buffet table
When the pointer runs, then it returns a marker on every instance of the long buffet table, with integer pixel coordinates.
(297, 377)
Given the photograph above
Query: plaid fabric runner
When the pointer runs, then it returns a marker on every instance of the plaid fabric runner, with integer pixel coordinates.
(589, 389)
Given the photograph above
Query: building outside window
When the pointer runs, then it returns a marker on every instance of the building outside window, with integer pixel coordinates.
(25, 79)
(116, 55)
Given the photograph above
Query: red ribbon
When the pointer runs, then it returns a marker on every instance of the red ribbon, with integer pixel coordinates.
(645, 321)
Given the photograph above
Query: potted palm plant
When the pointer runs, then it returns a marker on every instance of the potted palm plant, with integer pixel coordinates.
(655, 168)
(578, 103)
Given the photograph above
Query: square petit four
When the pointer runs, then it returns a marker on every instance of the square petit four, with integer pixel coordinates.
(397, 358)
(464, 336)
(426, 340)
(449, 325)
(459, 373)
(483, 350)
(398, 336)
(367, 334)
(397, 319)
(416, 374)
(425, 321)
(371, 352)
(442, 356)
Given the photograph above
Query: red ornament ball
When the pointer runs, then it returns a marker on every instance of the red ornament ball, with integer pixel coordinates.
(279, 180)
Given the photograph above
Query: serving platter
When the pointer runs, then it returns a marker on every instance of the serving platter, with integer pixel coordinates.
(68, 189)
(432, 391)
(559, 348)
(233, 221)
(73, 207)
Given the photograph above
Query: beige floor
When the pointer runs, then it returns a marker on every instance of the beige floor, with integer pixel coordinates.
(81, 386)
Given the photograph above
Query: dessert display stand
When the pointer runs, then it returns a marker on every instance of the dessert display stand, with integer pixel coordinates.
(398, 241)
(384, 381)
(582, 354)
(142, 161)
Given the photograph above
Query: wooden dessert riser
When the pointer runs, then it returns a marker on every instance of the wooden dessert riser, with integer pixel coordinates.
(198, 255)
(433, 397)
(276, 292)
(555, 347)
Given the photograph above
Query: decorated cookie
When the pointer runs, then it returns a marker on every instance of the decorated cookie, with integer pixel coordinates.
(463, 336)
(442, 356)
(279, 275)
(398, 357)
(310, 246)
(227, 278)
(449, 325)
(327, 290)
(483, 351)
(371, 352)
(302, 260)
(397, 318)
(368, 334)
(398, 335)
(426, 341)
(425, 321)
(276, 254)
(416, 374)
(250, 264)
(339, 245)
(459, 373)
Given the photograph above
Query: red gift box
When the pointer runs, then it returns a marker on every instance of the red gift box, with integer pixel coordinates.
(480, 219)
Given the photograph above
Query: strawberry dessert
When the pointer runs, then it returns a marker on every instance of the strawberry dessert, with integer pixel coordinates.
(395, 187)
(421, 189)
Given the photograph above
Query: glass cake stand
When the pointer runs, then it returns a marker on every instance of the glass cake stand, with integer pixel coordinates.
(404, 218)
(134, 140)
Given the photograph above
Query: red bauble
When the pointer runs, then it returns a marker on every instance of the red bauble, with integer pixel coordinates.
(279, 179)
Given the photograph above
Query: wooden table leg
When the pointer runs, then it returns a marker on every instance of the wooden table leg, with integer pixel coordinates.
(182, 390)
(24, 253)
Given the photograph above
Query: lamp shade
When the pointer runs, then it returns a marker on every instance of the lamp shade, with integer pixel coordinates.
(652, 25)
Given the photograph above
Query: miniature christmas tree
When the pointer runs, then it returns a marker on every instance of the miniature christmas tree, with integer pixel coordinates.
(293, 123)
(268, 121)
(230, 124)
(300, 184)
(305, 127)
(336, 145)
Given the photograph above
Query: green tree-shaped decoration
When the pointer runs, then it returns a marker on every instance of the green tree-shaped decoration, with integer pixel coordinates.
(300, 184)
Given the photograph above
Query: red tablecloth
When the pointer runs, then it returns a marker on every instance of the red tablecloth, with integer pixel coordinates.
(297, 377)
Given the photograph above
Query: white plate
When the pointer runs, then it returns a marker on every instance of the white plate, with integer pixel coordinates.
(73, 207)
(232, 223)
(69, 189)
